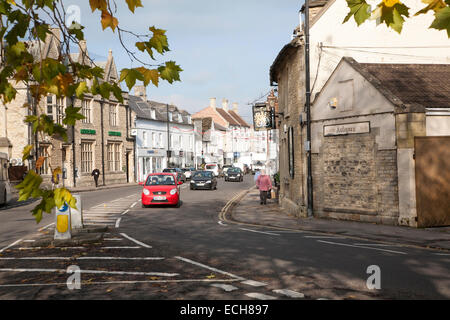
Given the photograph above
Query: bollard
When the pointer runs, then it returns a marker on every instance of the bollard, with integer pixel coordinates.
(62, 223)
(76, 215)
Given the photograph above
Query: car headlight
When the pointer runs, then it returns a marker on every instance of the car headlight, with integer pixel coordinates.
(192, 181)
(173, 191)
(209, 181)
(146, 192)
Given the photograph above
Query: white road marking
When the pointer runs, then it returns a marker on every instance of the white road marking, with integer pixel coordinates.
(114, 282)
(441, 254)
(11, 245)
(47, 226)
(118, 222)
(40, 248)
(376, 244)
(126, 211)
(136, 241)
(84, 258)
(260, 296)
(29, 240)
(160, 274)
(226, 287)
(363, 247)
(324, 237)
(222, 224)
(263, 232)
(254, 283)
(120, 248)
(289, 293)
(113, 239)
(132, 206)
(209, 268)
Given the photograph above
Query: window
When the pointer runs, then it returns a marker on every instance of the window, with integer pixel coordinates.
(153, 114)
(113, 151)
(180, 141)
(44, 169)
(144, 139)
(291, 151)
(180, 118)
(113, 121)
(153, 140)
(161, 143)
(170, 116)
(55, 109)
(189, 120)
(86, 157)
(86, 110)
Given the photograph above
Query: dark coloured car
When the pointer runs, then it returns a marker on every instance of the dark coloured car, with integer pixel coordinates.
(203, 180)
(234, 174)
(180, 175)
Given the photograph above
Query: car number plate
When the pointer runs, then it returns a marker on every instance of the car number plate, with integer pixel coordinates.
(200, 184)
(158, 198)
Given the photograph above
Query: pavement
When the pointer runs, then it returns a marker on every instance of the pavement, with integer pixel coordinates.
(245, 208)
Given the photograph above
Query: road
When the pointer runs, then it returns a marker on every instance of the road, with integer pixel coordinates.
(188, 253)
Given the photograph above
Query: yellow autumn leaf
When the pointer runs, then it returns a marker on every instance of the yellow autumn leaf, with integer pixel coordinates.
(390, 3)
(109, 21)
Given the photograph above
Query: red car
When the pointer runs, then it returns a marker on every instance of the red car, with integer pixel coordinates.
(161, 188)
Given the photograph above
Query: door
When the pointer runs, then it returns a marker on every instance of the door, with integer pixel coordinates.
(432, 156)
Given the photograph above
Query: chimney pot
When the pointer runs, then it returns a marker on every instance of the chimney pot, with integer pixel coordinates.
(225, 104)
(212, 103)
(235, 107)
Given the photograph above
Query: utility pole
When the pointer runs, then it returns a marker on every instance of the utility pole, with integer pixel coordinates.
(168, 136)
(308, 112)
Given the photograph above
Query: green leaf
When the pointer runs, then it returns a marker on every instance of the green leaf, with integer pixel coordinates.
(26, 152)
(81, 90)
(72, 115)
(130, 76)
(159, 40)
(359, 9)
(170, 72)
(150, 75)
(442, 20)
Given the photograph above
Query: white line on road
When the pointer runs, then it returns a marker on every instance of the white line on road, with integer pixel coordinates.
(136, 241)
(116, 282)
(120, 248)
(11, 245)
(323, 237)
(47, 226)
(40, 248)
(254, 283)
(376, 244)
(226, 287)
(209, 268)
(221, 223)
(441, 254)
(135, 203)
(126, 211)
(260, 296)
(269, 233)
(363, 247)
(118, 222)
(135, 273)
(289, 293)
(113, 239)
(84, 258)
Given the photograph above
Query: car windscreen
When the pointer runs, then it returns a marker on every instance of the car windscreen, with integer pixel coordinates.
(162, 180)
(211, 166)
(202, 174)
(234, 170)
(169, 170)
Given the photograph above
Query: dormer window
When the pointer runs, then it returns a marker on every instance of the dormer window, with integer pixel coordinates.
(180, 118)
(189, 119)
(170, 116)
(153, 114)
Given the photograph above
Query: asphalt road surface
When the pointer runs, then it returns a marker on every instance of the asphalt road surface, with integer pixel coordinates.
(188, 253)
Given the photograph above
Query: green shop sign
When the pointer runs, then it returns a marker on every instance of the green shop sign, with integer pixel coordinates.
(115, 133)
(87, 131)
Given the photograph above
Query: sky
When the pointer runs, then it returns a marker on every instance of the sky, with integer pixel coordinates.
(225, 48)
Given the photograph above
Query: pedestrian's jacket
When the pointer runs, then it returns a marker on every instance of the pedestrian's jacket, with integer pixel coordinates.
(264, 183)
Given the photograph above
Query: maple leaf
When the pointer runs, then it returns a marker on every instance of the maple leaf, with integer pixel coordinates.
(170, 71)
(108, 21)
(359, 9)
(133, 4)
(149, 75)
(98, 4)
(442, 20)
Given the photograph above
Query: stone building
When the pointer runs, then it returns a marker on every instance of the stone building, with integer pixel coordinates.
(101, 141)
(330, 40)
(371, 125)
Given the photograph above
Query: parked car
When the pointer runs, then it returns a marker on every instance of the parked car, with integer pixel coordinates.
(178, 171)
(161, 188)
(188, 172)
(203, 180)
(234, 174)
(213, 167)
(257, 166)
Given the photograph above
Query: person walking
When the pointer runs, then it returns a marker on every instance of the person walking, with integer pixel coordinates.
(95, 173)
(264, 185)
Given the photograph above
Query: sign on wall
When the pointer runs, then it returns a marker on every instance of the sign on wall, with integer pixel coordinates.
(262, 118)
(347, 128)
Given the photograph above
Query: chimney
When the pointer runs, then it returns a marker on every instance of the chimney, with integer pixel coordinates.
(212, 103)
(225, 104)
(83, 52)
(141, 92)
(109, 54)
(235, 107)
(56, 32)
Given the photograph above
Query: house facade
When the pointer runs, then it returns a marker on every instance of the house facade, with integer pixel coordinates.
(160, 128)
(330, 41)
(101, 141)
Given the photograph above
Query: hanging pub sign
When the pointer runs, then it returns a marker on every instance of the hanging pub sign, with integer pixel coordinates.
(262, 118)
